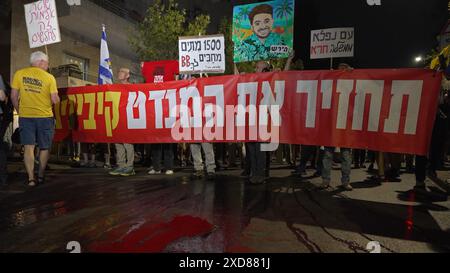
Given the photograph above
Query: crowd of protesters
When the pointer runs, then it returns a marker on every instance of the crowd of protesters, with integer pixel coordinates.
(37, 91)
(33, 93)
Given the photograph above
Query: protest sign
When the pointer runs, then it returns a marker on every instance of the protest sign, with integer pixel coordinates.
(332, 43)
(42, 23)
(160, 71)
(263, 31)
(389, 110)
(202, 54)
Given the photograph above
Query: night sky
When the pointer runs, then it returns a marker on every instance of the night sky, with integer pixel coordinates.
(386, 36)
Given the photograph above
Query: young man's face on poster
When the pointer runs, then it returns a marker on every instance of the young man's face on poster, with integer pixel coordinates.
(262, 25)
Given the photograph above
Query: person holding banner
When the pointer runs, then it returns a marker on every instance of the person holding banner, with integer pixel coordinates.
(160, 72)
(38, 93)
(346, 164)
(427, 165)
(196, 152)
(124, 151)
(257, 161)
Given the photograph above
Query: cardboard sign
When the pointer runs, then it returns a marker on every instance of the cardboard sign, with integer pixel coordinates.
(42, 23)
(202, 54)
(332, 43)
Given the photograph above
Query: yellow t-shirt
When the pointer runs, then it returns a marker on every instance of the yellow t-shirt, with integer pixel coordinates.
(35, 88)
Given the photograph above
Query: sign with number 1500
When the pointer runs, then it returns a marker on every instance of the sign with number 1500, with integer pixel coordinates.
(202, 54)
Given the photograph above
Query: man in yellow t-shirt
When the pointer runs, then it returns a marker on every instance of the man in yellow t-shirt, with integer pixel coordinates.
(33, 94)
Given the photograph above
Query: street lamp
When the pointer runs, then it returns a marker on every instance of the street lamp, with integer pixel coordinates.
(418, 59)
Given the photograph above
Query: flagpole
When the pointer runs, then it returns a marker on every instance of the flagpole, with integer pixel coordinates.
(104, 56)
(105, 70)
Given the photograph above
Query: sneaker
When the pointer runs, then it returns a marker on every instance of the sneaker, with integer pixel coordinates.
(257, 180)
(32, 183)
(81, 164)
(346, 187)
(91, 165)
(106, 166)
(393, 179)
(374, 179)
(40, 180)
(420, 185)
(299, 171)
(211, 176)
(324, 185)
(198, 174)
(116, 172)
(245, 174)
(153, 172)
(169, 172)
(128, 171)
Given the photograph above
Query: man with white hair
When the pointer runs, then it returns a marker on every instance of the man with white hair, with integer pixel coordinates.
(33, 95)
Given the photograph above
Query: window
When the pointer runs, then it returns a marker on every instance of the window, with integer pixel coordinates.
(82, 63)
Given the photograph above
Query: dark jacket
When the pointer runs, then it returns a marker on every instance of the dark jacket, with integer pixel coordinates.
(7, 109)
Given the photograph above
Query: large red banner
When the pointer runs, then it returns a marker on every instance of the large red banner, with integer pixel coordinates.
(391, 110)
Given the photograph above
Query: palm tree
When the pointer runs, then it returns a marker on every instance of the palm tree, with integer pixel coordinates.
(284, 10)
(243, 14)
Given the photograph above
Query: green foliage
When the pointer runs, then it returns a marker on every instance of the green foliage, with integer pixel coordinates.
(243, 14)
(225, 28)
(156, 37)
(284, 10)
(198, 26)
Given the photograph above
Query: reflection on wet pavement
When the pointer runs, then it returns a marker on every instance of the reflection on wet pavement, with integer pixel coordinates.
(180, 214)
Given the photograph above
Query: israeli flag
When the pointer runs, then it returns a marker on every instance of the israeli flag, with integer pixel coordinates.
(105, 74)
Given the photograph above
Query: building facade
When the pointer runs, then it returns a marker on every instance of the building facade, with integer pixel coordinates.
(75, 60)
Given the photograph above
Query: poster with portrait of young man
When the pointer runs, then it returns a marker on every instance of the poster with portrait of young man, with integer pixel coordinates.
(263, 31)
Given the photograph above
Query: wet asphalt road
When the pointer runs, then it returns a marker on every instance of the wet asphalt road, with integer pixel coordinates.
(182, 214)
